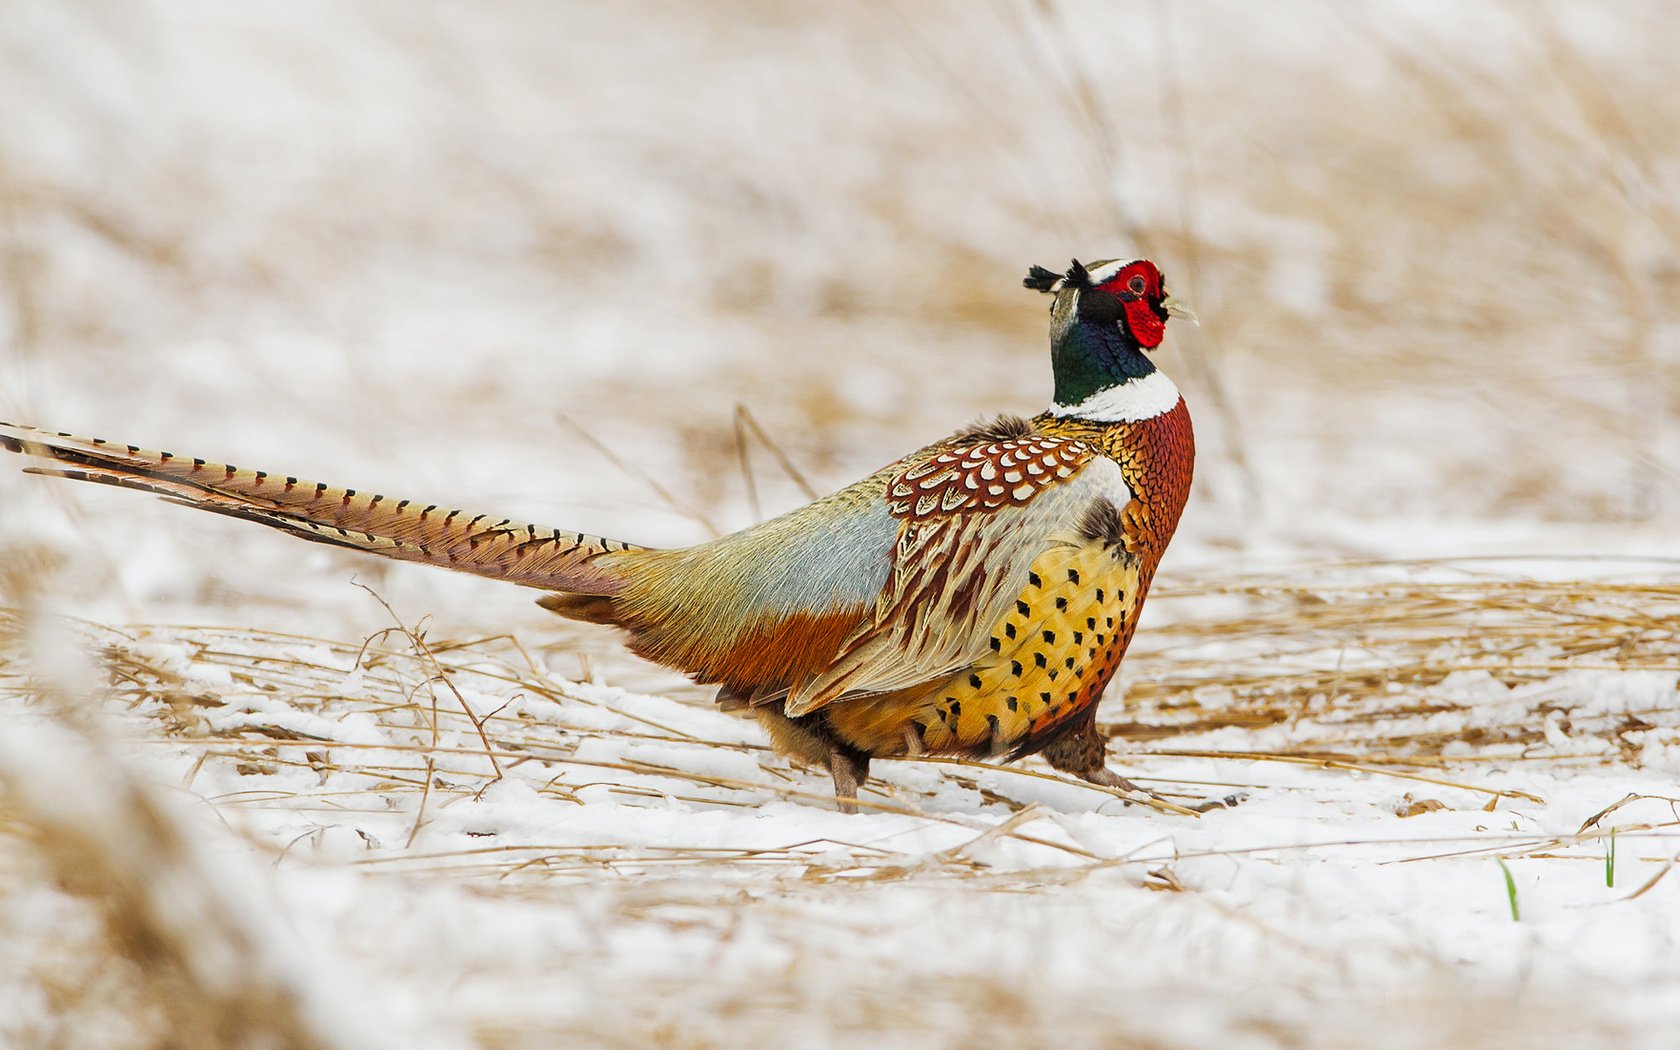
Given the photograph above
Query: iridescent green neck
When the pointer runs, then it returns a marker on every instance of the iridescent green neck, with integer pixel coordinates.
(1088, 358)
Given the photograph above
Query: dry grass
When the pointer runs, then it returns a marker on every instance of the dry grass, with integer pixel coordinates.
(1359, 652)
(189, 957)
(1358, 661)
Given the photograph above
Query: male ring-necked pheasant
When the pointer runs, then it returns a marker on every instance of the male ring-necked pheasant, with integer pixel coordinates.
(973, 598)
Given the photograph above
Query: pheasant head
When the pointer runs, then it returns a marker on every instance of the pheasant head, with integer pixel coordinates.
(1104, 319)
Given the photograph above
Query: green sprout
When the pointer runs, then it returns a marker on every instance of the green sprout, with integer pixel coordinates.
(1510, 891)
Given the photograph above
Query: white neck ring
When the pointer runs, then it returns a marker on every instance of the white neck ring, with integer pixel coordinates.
(1129, 402)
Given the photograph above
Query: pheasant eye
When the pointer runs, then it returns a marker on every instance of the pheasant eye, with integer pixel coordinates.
(1135, 285)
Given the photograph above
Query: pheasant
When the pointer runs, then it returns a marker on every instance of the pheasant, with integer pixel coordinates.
(972, 599)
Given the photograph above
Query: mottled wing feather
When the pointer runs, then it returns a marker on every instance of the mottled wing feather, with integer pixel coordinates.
(983, 477)
(957, 570)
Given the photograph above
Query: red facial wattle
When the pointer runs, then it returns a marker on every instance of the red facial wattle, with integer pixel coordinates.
(1145, 324)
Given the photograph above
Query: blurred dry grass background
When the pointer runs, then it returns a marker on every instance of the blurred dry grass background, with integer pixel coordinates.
(1435, 243)
(1436, 247)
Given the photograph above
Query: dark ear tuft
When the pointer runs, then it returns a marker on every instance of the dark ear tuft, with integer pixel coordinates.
(1077, 276)
(1040, 280)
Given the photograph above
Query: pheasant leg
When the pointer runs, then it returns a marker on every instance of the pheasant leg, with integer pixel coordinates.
(1082, 752)
(850, 769)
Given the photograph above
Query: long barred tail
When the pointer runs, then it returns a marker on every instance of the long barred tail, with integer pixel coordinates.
(481, 544)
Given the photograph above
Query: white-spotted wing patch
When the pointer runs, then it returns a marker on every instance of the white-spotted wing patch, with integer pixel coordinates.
(985, 476)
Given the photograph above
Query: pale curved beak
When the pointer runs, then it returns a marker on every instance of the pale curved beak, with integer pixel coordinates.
(1176, 307)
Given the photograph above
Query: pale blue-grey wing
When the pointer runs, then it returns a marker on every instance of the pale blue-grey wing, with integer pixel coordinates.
(771, 605)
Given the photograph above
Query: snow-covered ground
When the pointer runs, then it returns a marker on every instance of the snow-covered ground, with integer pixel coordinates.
(515, 858)
(1422, 614)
